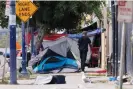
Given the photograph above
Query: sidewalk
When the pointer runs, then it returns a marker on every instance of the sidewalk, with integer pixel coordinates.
(71, 78)
(73, 81)
(61, 86)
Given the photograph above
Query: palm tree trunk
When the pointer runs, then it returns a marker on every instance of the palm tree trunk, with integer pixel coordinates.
(39, 39)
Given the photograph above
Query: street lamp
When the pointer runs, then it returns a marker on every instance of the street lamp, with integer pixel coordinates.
(12, 26)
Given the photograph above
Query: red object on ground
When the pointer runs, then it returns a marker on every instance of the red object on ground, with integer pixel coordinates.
(98, 71)
(101, 71)
(95, 50)
(94, 56)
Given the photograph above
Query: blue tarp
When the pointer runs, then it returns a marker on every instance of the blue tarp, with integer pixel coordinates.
(97, 31)
(59, 64)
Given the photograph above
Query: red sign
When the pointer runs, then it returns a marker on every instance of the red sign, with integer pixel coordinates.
(122, 3)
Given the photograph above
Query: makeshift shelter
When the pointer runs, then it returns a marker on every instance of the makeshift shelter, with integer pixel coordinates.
(91, 27)
(54, 36)
(57, 55)
(93, 35)
(60, 55)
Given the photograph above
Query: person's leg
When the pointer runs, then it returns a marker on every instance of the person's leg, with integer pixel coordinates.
(84, 59)
(81, 55)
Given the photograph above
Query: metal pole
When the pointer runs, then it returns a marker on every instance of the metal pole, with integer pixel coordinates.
(24, 70)
(32, 41)
(27, 40)
(116, 41)
(113, 29)
(32, 38)
(122, 56)
(12, 23)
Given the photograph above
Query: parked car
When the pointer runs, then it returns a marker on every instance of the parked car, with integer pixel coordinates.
(7, 54)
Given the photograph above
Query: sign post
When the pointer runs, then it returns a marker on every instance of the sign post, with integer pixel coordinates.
(125, 15)
(24, 70)
(122, 56)
(24, 10)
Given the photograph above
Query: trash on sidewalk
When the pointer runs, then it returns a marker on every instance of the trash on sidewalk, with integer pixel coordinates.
(131, 82)
(125, 78)
(85, 79)
(80, 86)
(40, 80)
(112, 78)
(49, 79)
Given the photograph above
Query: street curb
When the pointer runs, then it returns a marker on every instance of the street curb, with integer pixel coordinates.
(4, 82)
(96, 74)
(124, 87)
(33, 76)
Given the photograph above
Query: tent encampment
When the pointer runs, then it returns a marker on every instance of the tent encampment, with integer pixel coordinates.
(60, 55)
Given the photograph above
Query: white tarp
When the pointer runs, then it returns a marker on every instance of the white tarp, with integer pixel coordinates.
(41, 80)
(62, 45)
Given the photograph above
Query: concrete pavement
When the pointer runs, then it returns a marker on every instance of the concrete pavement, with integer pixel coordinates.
(57, 86)
(73, 81)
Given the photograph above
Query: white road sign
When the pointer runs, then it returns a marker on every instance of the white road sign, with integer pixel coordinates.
(125, 11)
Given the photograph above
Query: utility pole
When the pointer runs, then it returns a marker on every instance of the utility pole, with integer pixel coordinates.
(24, 70)
(12, 26)
(116, 41)
(113, 29)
